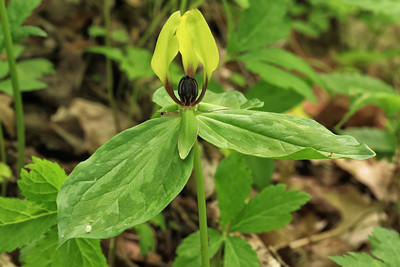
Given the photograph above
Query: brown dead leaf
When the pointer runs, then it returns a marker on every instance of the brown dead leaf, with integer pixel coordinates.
(5, 260)
(96, 121)
(7, 117)
(376, 175)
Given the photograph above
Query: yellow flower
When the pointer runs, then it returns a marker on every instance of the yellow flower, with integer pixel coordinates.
(190, 35)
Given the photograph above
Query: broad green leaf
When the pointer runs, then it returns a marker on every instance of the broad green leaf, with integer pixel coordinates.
(278, 136)
(188, 131)
(261, 24)
(136, 63)
(380, 140)
(146, 242)
(203, 42)
(233, 185)
(29, 73)
(5, 172)
(127, 181)
(238, 253)
(189, 251)
(159, 221)
(261, 170)
(280, 78)
(275, 99)
(42, 183)
(268, 210)
(282, 58)
(113, 53)
(230, 99)
(385, 244)
(95, 31)
(75, 252)
(363, 90)
(353, 259)
(21, 222)
(166, 48)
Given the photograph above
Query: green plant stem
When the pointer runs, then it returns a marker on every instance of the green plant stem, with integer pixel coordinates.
(155, 22)
(3, 159)
(201, 202)
(112, 251)
(110, 82)
(19, 113)
(183, 6)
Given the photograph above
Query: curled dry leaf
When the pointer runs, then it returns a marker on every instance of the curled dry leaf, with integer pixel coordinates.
(376, 175)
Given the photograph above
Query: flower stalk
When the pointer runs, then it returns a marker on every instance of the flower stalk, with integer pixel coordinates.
(201, 203)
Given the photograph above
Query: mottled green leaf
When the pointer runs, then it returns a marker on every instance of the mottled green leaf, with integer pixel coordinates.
(127, 181)
(238, 253)
(268, 210)
(21, 222)
(189, 251)
(273, 135)
(233, 185)
(42, 183)
(75, 252)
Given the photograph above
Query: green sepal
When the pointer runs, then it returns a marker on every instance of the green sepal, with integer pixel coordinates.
(188, 132)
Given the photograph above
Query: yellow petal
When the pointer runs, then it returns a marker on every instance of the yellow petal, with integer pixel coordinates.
(166, 48)
(189, 58)
(203, 41)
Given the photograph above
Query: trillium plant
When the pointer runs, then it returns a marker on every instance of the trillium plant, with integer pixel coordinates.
(136, 174)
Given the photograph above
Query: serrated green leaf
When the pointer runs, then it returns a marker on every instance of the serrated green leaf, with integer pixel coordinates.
(261, 170)
(146, 241)
(21, 222)
(281, 78)
(268, 210)
(385, 245)
(42, 183)
(261, 24)
(20, 33)
(282, 58)
(19, 10)
(353, 259)
(278, 136)
(188, 131)
(189, 251)
(29, 71)
(238, 253)
(275, 99)
(75, 252)
(127, 181)
(233, 185)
